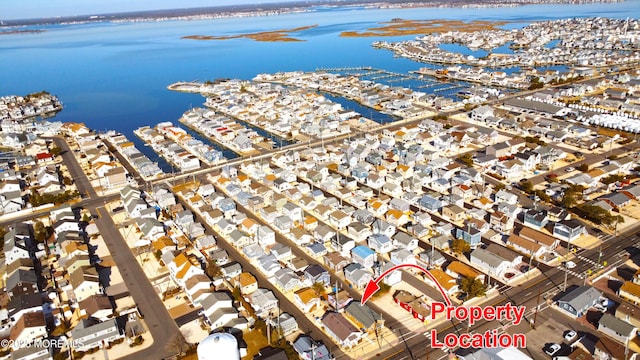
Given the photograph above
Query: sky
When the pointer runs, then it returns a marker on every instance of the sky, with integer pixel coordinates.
(30, 9)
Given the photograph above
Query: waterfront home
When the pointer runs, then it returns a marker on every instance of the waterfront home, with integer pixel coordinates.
(577, 301)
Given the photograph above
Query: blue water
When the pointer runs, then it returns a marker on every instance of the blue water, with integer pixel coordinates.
(114, 76)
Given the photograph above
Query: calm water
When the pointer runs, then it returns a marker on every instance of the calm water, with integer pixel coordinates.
(114, 76)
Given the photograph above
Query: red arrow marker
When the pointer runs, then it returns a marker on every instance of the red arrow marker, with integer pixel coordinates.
(373, 287)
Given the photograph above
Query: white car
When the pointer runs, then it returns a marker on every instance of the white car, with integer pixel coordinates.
(570, 335)
(569, 264)
(551, 350)
(570, 169)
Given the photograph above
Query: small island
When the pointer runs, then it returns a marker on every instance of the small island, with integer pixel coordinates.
(401, 27)
(274, 35)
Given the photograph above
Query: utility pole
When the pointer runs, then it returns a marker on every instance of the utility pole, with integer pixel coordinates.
(566, 274)
(535, 314)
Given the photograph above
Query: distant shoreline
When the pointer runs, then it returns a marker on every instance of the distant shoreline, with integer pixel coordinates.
(271, 9)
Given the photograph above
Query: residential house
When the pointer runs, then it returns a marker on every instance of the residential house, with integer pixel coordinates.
(469, 234)
(403, 240)
(247, 283)
(88, 335)
(525, 246)
(536, 219)
(306, 299)
(493, 264)
(617, 329)
(357, 275)
(364, 256)
(334, 261)
(363, 316)
(630, 291)
(577, 301)
(459, 270)
(84, 282)
(27, 329)
(454, 212)
(538, 237)
(379, 243)
(341, 330)
(263, 302)
(568, 230)
(309, 349)
(443, 279)
(97, 307)
(317, 274)
(503, 196)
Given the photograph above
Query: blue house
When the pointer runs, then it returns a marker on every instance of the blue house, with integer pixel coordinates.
(469, 234)
(360, 172)
(430, 203)
(226, 205)
(363, 255)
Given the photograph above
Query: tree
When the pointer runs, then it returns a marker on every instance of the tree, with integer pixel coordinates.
(213, 269)
(178, 345)
(527, 186)
(473, 287)
(466, 159)
(318, 288)
(39, 231)
(583, 167)
(460, 246)
(55, 151)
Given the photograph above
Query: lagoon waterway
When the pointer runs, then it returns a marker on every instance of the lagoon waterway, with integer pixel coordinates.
(114, 75)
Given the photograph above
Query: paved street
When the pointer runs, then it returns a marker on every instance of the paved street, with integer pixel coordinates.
(615, 251)
(156, 316)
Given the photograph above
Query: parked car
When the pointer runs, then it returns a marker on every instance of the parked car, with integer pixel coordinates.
(553, 349)
(570, 335)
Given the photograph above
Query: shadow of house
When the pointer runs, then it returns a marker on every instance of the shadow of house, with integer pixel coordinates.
(104, 275)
